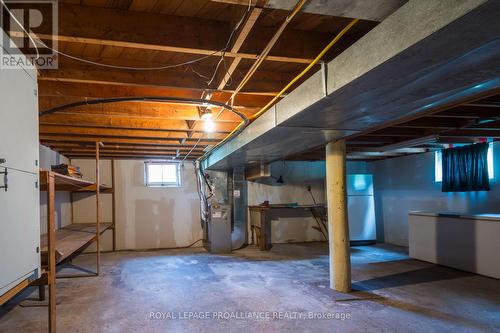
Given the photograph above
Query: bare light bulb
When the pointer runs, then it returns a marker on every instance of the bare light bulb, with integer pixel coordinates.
(207, 115)
(209, 125)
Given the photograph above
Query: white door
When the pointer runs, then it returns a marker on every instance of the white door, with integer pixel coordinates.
(19, 228)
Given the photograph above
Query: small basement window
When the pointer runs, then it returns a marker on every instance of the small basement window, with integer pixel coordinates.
(438, 165)
(162, 174)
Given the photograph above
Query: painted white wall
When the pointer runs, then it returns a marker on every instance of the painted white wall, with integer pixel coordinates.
(49, 157)
(407, 183)
(84, 204)
(146, 217)
(297, 175)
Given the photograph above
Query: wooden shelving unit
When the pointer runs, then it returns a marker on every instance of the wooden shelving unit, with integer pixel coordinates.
(59, 245)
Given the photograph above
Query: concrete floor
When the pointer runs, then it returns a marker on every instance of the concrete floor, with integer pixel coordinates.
(395, 294)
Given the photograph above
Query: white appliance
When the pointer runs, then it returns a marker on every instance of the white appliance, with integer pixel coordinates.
(361, 208)
(19, 193)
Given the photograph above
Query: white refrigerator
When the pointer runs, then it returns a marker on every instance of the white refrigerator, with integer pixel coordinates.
(361, 208)
(19, 193)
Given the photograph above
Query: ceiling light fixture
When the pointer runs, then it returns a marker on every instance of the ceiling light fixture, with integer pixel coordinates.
(206, 114)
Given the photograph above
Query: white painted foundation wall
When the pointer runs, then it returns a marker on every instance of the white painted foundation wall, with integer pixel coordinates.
(155, 217)
(146, 217)
(49, 157)
(296, 176)
(407, 183)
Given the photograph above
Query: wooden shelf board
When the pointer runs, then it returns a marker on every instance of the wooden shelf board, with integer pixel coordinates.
(72, 238)
(70, 184)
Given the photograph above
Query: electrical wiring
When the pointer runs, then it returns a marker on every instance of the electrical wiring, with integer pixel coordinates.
(159, 68)
(314, 62)
(318, 222)
(222, 59)
(30, 36)
(227, 78)
(204, 102)
(238, 129)
(203, 186)
(215, 71)
(222, 51)
(143, 99)
(192, 148)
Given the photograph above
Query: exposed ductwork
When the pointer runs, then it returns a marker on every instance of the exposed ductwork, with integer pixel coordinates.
(426, 55)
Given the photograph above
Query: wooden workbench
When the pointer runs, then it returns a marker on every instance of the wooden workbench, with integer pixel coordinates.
(260, 220)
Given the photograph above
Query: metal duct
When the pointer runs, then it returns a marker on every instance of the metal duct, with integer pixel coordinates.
(426, 55)
(239, 233)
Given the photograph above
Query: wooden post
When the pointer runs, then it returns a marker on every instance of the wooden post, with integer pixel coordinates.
(97, 196)
(41, 292)
(51, 248)
(113, 202)
(265, 242)
(338, 227)
(71, 200)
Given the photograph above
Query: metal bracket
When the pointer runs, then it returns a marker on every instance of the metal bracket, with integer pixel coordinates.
(2, 160)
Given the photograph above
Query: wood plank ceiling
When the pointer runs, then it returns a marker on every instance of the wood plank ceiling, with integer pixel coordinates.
(154, 33)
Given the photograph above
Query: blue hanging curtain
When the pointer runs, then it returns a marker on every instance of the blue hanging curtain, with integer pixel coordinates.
(466, 168)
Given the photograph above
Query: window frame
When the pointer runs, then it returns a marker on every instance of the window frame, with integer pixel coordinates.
(147, 183)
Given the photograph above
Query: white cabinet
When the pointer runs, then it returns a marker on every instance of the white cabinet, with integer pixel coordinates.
(19, 229)
(464, 241)
(19, 203)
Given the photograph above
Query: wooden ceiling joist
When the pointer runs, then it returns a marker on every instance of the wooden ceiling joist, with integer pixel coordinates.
(465, 123)
(127, 151)
(134, 111)
(50, 88)
(58, 137)
(76, 72)
(145, 154)
(158, 32)
(124, 133)
(126, 38)
(80, 145)
(117, 122)
(242, 35)
(132, 131)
